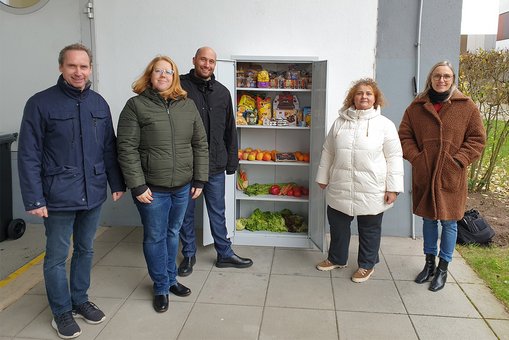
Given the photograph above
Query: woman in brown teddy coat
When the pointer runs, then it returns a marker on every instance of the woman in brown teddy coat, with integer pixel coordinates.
(441, 134)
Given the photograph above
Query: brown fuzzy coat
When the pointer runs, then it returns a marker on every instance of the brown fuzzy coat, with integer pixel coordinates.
(440, 146)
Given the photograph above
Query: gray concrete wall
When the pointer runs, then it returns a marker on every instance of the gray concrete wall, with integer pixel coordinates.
(396, 66)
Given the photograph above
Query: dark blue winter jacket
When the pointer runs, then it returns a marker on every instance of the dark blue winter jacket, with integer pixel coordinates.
(67, 150)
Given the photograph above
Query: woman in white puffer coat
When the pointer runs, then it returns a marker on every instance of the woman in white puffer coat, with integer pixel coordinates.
(362, 168)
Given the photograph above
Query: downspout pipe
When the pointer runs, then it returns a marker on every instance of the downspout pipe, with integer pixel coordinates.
(417, 83)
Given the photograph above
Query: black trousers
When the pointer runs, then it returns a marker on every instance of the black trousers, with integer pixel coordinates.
(370, 233)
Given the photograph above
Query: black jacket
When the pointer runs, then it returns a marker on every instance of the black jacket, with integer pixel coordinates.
(214, 103)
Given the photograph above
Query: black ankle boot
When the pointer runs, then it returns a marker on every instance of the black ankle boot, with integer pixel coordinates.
(429, 269)
(440, 277)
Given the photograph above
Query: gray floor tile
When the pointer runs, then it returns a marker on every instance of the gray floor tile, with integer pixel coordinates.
(222, 322)
(401, 246)
(349, 270)
(144, 290)
(432, 328)
(450, 301)
(404, 267)
(371, 296)
(195, 282)
(125, 255)
(298, 262)
(300, 292)
(500, 327)
(22, 250)
(375, 326)
(205, 257)
(407, 267)
(381, 269)
(18, 315)
(261, 256)
(483, 299)
(41, 326)
(235, 288)
(296, 324)
(115, 282)
(462, 273)
(101, 249)
(113, 234)
(135, 236)
(136, 319)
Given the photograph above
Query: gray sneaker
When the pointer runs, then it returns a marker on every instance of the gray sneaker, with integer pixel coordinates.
(66, 326)
(89, 312)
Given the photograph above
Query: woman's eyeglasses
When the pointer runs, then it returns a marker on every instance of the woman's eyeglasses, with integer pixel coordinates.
(161, 72)
(446, 77)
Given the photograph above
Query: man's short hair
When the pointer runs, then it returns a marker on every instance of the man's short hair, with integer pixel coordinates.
(74, 47)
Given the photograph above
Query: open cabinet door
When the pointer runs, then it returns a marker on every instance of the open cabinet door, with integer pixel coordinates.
(225, 74)
(317, 210)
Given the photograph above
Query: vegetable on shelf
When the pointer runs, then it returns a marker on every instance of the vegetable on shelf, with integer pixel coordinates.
(242, 182)
(282, 221)
(257, 189)
(282, 189)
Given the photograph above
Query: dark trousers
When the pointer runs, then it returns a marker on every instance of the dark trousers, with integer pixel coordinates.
(370, 233)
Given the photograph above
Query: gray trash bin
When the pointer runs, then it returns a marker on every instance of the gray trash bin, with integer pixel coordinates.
(9, 228)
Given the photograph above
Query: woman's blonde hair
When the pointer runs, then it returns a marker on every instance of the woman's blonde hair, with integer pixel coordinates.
(175, 91)
(428, 87)
(349, 100)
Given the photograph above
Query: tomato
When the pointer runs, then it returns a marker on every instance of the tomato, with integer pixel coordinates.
(274, 190)
(297, 192)
(289, 192)
(305, 191)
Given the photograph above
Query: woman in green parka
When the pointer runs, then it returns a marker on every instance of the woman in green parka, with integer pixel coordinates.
(163, 154)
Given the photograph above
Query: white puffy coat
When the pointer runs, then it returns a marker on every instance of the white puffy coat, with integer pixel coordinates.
(361, 160)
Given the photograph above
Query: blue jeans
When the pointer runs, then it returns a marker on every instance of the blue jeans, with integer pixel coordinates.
(161, 225)
(447, 240)
(214, 193)
(60, 225)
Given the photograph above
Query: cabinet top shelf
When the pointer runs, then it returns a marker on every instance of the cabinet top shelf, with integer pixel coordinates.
(273, 198)
(273, 127)
(269, 89)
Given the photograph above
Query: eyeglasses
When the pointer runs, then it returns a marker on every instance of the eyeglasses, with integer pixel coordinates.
(446, 77)
(164, 72)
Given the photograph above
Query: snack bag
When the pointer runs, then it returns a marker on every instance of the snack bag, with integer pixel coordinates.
(246, 103)
(263, 78)
(264, 107)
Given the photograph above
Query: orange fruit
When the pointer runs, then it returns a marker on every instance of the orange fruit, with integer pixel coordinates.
(305, 158)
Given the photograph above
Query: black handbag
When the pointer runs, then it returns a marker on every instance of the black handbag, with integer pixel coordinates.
(474, 229)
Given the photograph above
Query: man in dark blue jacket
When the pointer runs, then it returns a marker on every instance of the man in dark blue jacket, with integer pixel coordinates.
(214, 103)
(66, 157)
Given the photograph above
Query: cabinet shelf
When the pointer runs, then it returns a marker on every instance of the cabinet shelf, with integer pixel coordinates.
(239, 195)
(261, 89)
(267, 238)
(273, 163)
(273, 127)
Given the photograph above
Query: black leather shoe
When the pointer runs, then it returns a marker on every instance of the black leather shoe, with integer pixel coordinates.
(161, 303)
(439, 280)
(186, 266)
(234, 261)
(180, 290)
